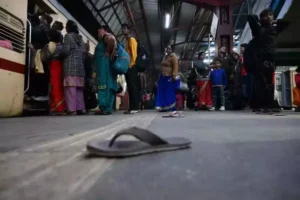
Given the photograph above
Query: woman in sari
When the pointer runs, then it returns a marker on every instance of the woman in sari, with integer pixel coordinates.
(57, 97)
(203, 83)
(106, 78)
(52, 55)
(168, 83)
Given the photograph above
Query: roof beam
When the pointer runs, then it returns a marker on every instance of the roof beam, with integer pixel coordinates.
(147, 30)
(191, 41)
(210, 4)
(177, 22)
(130, 16)
(238, 17)
(160, 17)
(115, 12)
(204, 33)
(189, 26)
(190, 30)
(102, 18)
(108, 6)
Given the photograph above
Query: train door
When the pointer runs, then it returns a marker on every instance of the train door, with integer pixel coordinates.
(36, 85)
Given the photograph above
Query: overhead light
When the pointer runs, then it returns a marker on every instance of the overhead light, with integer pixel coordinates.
(167, 24)
(207, 60)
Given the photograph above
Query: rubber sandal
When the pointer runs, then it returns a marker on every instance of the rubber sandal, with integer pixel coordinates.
(173, 115)
(149, 143)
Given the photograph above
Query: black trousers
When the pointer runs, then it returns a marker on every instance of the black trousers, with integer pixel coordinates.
(132, 86)
(264, 88)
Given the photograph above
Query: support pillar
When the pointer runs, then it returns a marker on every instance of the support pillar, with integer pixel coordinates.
(224, 33)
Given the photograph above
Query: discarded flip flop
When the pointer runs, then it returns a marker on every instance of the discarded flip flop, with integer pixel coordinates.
(149, 143)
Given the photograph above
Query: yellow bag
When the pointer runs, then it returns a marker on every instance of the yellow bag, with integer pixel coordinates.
(296, 96)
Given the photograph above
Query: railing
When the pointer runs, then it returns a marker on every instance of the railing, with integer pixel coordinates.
(29, 56)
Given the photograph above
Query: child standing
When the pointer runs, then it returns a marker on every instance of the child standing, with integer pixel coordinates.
(219, 81)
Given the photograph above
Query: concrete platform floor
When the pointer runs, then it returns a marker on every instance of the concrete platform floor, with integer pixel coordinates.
(234, 156)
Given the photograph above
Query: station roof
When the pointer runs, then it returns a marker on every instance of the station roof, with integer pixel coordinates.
(189, 22)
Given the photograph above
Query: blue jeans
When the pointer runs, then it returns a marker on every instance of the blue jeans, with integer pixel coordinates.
(218, 96)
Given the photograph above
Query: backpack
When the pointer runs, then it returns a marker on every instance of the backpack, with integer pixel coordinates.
(142, 60)
(122, 60)
(250, 56)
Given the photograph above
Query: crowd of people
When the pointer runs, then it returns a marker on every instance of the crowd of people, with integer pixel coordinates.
(75, 75)
(232, 81)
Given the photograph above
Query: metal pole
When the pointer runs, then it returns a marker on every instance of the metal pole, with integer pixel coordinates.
(249, 7)
(29, 57)
(209, 47)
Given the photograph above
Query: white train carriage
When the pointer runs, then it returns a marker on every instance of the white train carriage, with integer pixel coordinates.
(13, 66)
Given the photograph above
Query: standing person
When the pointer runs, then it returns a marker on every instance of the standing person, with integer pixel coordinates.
(106, 78)
(167, 84)
(74, 52)
(90, 99)
(132, 78)
(227, 64)
(39, 82)
(236, 97)
(54, 52)
(265, 31)
(39, 32)
(245, 77)
(219, 81)
(142, 89)
(59, 26)
(203, 83)
(192, 95)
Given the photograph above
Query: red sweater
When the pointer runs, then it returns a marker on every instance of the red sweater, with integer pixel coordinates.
(297, 80)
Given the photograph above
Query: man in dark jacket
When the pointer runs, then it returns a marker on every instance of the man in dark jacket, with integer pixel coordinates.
(227, 64)
(265, 31)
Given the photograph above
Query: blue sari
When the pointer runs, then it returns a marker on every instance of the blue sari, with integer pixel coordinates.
(166, 93)
(106, 79)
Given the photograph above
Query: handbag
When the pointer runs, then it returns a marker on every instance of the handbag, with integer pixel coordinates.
(122, 60)
(183, 87)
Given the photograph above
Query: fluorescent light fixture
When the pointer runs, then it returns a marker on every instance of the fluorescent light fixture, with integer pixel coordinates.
(167, 21)
(207, 60)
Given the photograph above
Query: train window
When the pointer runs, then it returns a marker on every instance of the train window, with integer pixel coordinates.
(12, 32)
